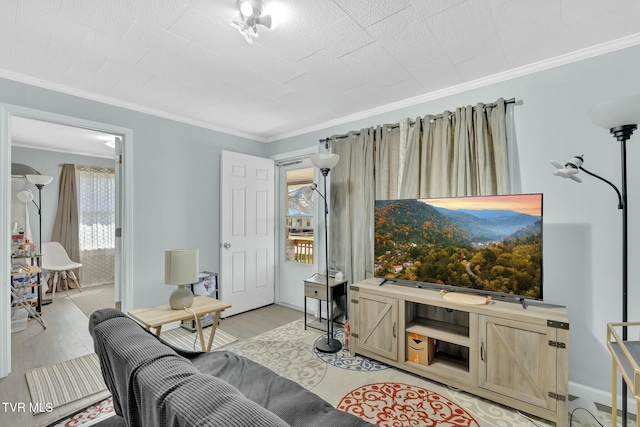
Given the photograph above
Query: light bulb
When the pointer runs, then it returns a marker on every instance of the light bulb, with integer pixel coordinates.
(246, 9)
(277, 11)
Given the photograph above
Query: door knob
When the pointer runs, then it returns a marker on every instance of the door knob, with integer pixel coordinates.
(226, 245)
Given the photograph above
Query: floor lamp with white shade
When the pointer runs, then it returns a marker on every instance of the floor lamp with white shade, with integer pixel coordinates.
(39, 181)
(621, 118)
(324, 162)
(27, 196)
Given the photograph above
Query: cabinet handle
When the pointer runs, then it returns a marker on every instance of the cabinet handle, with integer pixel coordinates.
(394, 329)
(482, 351)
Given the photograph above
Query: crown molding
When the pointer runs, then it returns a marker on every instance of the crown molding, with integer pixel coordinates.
(34, 81)
(536, 67)
(557, 61)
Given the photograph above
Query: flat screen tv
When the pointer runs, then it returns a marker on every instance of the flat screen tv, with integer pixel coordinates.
(491, 245)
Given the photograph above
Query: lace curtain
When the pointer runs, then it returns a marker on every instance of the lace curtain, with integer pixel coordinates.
(96, 217)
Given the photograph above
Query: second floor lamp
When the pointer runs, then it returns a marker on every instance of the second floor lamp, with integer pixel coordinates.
(621, 118)
(324, 162)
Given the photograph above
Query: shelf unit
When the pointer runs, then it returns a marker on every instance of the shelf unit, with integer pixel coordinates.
(502, 351)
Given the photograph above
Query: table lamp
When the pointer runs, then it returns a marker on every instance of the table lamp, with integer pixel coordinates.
(181, 268)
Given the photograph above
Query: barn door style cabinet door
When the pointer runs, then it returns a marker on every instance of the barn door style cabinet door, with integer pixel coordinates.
(510, 367)
(501, 351)
(377, 330)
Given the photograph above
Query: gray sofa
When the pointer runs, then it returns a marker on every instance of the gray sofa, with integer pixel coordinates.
(155, 384)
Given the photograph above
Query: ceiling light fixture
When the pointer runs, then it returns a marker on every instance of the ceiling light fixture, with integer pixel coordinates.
(250, 14)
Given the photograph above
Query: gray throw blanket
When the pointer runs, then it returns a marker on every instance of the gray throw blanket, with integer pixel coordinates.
(155, 384)
(152, 385)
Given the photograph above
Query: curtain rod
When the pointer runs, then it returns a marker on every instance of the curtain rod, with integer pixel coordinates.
(396, 125)
(91, 168)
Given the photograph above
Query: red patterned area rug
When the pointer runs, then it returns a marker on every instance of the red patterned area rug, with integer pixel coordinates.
(397, 404)
(89, 416)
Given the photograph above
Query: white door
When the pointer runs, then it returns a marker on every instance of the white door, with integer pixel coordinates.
(247, 229)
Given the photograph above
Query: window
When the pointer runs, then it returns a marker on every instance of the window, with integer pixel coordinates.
(96, 217)
(299, 219)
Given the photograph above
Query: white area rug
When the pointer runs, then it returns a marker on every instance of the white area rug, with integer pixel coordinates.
(360, 385)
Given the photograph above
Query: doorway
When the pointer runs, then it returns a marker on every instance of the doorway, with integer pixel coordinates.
(296, 230)
(123, 245)
(294, 169)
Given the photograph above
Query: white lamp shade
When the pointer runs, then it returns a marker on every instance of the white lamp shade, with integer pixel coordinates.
(619, 112)
(25, 196)
(264, 20)
(180, 266)
(39, 179)
(324, 160)
(307, 192)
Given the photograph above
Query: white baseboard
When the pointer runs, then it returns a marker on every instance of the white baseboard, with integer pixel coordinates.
(600, 397)
(294, 307)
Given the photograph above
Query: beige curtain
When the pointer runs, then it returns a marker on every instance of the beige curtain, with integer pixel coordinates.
(351, 206)
(410, 131)
(463, 153)
(436, 156)
(493, 138)
(65, 227)
(387, 161)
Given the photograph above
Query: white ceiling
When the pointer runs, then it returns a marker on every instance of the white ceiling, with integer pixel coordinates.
(327, 61)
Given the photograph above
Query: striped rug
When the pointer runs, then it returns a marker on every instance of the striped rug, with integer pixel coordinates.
(188, 340)
(65, 382)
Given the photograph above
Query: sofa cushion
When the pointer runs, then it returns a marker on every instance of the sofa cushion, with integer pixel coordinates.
(171, 392)
(287, 399)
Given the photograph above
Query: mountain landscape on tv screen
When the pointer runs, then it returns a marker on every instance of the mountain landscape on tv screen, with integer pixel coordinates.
(486, 250)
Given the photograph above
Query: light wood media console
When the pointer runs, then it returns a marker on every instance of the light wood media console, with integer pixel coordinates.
(500, 351)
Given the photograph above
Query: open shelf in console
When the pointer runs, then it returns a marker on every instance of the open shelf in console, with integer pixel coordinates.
(439, 330)
(439, 322)
(450, 329)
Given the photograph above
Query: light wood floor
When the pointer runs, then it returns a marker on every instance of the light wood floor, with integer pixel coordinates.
(67, 337)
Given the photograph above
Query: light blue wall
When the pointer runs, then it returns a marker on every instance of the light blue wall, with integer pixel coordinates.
(176, 186)
(582, 226)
